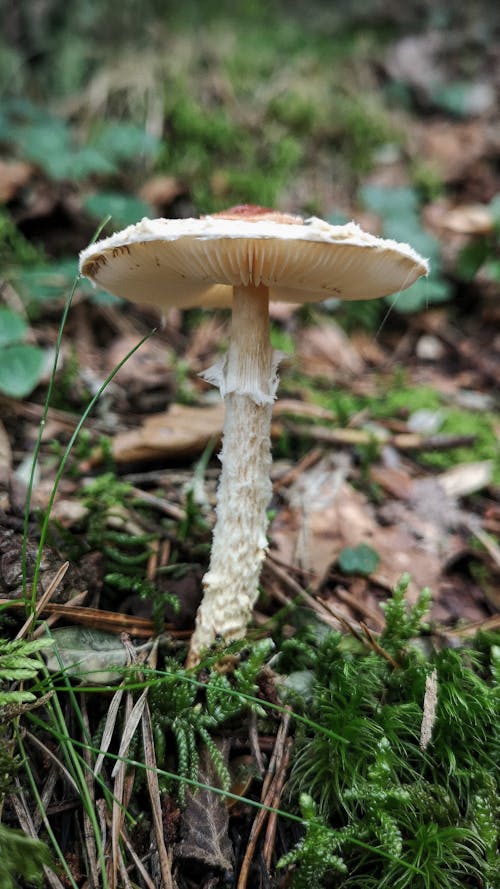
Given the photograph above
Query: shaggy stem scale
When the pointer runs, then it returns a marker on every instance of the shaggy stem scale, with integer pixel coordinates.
(247, 381)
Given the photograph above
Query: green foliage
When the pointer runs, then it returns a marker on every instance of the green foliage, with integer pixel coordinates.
(12, 327)
(457, 98)
(18, 664)
(362, 559)
(123, 209)
(109, 503)
(124, 143)
(402, 624)
(480, 425)
(46, 282)
(191, 710)
(21, 856)
(315, 854)
(397, 813)
(15, 250)
(399, 211)
(108, 500)
(21, 369)
(397, 399)
(223, 159)
(49, 141)
(363, 127)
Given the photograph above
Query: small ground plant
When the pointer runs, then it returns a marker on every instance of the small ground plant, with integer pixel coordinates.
(405, 781)
(19, 855)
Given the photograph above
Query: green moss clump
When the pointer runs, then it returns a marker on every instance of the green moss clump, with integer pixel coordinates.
(400, 400)
(15, 250)
(486, 446)
(401, 806)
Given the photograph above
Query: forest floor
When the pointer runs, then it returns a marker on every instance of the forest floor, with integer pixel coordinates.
(386, 444)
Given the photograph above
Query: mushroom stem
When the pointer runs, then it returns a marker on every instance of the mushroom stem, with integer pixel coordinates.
(248, 381)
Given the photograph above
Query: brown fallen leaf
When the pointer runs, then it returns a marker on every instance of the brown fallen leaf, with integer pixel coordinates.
(325, 515)
(13, 176)
(204, 825)
(324, 350)
(469, 219)
(181, 431)
(161, 190)
(452, 148)
(5, 449)
(185, 431)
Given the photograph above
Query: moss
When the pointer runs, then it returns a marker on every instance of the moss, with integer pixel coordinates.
(281, 340)
(399, 400)
(15, 250)
(393, 806)
(363, 126)
(406, 399)
(486, 446)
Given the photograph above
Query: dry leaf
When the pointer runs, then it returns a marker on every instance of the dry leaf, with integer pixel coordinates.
(326, 515)
(5, 449)
(469, 219)
(87, 654)
(205, 820)
(161, 190)
(324, 350)
(466, 478)
(146, 367)
(180, 432)
(13, 175)
(452, 148)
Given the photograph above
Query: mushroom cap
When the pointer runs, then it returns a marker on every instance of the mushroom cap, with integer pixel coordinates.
(197, 262)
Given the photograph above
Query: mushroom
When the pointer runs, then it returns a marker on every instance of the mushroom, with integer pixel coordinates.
(243, 258)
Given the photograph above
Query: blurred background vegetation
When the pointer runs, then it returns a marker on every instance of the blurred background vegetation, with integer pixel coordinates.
(255, 101)
(176, 109)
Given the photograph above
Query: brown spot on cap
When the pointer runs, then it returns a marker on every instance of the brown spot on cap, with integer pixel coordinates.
(254, 213)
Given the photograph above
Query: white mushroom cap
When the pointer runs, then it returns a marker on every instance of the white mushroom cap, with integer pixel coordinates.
(197, 262)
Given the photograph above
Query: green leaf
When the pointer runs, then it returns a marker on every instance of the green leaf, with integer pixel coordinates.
(16, 697)
(87, 654)
(408, 230)
(123, 209)
(456, 98)
(338, 218)
(21, 856)
(492, 268)
(471, 258)
(87, 162)
(420, 295)
(46, 144)
(120, 142)
(12, 327)
(21, 369)
(399, 202)
(46, 282)
(362, 559)
(494, 207)
(9, 674)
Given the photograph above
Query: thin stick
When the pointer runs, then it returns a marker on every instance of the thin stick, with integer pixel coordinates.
(272, 823)
(42, 602)
(269, 790)
(111, 621)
